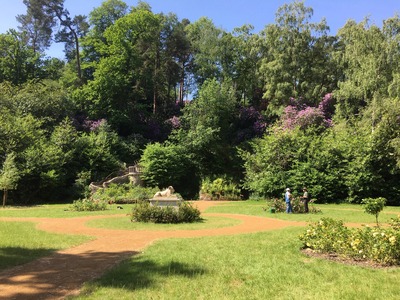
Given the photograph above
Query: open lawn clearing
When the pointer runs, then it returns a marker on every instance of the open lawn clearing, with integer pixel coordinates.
(352, 213)
(244, 262)
(58, 211)
(64, 272)
(265, 265)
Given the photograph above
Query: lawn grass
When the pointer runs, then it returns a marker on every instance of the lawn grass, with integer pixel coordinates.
(20, 242)
(347, 212)
(264, 265)
(267, 265)
(58, 211)
(125, 224)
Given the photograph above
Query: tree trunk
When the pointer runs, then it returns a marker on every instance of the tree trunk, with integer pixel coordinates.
(78, 56)
(155, 90)
(67, 23)
(4, 197)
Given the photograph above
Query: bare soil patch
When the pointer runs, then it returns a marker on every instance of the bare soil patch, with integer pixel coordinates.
(346, 260)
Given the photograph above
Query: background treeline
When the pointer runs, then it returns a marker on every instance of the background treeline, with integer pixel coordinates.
(289, 106)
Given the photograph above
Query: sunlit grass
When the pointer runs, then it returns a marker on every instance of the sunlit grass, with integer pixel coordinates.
(264, 265)
(125, 224)
(58, 211)
(347, 212)
(20, 242)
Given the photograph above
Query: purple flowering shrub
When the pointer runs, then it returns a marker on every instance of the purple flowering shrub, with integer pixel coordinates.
(92, 125)
(250, 124)
(327, 106)
(303, 116)
(174, 122)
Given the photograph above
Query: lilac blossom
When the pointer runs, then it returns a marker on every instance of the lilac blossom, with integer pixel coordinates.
(175, 122)
(250, 124)
(327, 105)
(309, 116)
(93, 125)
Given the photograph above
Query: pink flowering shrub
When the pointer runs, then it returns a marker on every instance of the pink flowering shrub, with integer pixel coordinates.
(93, 125)
(327, 106)
(310, 116)
(174, 122)
(303, 116)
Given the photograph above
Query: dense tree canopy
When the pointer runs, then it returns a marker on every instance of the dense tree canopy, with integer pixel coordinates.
(289, 106)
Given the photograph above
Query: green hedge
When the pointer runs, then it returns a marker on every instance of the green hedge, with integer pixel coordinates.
(184, 213)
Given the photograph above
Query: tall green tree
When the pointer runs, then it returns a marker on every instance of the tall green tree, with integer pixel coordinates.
(123, 82)
(207, 128)
(9, 176)
(37, 25)
(100, 18)
(71, 28)
(297, 64)
(367, 69)
(205, 39)
(17, 60)
(247, 49)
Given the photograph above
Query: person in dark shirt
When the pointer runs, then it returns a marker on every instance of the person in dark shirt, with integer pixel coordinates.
(305, 199)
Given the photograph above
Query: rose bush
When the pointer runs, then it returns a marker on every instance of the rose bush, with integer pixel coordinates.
(381, 245)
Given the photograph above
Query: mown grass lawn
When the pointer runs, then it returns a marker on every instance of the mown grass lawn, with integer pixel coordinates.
(266, 265)
(352, 213)
(57, 211)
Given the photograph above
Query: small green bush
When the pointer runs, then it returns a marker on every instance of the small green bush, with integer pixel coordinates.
(184, 213)
(381, 245)
(277, 204)
(219, 189)
(297, 205)
(124, 193)
(395, 223)
(374, 206)
(327, 235)
(88, 205)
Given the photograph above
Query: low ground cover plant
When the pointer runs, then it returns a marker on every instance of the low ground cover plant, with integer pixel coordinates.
(114, 194)
(88, 205)
(219, 189)
(124, 193)
(379, 245)
(184, 213)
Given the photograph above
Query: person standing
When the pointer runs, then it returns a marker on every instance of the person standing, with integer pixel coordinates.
(305, 199)
(288, 199)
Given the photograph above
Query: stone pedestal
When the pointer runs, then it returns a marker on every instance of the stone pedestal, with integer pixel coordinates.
(165, 201)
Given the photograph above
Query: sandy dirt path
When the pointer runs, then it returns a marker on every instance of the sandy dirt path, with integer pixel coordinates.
(64, 272)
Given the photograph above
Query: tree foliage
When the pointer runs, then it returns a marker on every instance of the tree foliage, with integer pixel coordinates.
(9, 176)
(291, 105)
(297, 64)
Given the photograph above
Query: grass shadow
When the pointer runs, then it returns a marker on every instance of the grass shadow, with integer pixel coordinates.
(13, 256)
(138, 273)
